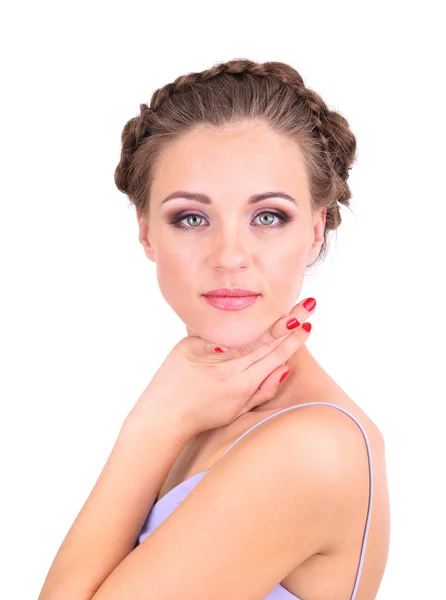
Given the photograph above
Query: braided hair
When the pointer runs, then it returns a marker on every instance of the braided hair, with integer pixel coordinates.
(228, 94)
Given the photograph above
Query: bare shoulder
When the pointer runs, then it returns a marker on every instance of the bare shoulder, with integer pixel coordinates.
(321, 423)
(315, 444)
(324, 434)
(336, 441)
(338, 419)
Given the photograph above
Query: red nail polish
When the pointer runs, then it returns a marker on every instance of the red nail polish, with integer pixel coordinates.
(306, 327)
(292, 324)
(284, 375)
(218, 349)
(309, 304)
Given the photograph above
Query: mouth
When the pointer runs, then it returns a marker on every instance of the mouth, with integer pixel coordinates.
(231, 293)
(231, 302)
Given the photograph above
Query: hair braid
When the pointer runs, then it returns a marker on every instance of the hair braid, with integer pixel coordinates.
(281, 71)
(272, 90)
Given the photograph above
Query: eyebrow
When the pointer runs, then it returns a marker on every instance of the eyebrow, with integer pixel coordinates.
(200, 197)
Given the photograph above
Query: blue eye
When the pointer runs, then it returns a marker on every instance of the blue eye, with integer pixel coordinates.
(177, 220)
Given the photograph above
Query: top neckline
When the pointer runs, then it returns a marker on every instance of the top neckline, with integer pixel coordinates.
(179, 485)
(159, 503)
(286, 409)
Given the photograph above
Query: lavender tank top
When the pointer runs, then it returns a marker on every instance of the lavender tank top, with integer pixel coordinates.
(165, 506)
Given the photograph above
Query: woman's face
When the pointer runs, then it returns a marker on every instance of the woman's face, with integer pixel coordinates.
(229, 242)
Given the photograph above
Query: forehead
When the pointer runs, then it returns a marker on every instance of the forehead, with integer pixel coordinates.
(208, 156)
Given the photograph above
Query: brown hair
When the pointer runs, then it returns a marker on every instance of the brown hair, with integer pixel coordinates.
(227, 94)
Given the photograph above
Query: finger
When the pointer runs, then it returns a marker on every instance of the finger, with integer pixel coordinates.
(275, 335)
(193, 347)
(266, 391)
(278, 357)
(268, 340)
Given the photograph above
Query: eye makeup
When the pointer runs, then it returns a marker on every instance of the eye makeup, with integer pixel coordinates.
(177, 218)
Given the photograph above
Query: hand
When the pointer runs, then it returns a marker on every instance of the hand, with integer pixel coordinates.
(198, 389)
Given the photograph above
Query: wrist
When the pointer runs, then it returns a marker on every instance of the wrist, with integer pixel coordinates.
(167, 426)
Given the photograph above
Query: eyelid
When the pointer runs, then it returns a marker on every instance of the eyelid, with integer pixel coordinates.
(283, 217)
(190, 211)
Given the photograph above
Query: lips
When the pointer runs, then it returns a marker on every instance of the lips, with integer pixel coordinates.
(231, 302)
(231, 292)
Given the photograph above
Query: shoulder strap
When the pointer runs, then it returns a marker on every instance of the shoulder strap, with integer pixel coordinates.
(371, 481)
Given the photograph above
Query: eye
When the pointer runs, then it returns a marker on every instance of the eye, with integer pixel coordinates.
(176, 221)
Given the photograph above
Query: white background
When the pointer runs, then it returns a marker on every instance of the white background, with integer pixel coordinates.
(83, 324)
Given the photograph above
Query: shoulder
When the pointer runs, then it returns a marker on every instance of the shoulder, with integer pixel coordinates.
(302, 461)
(313, 457)
(315, 431)
(324, 439)
(301, 474)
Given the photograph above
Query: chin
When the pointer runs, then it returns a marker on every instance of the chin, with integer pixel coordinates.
(230, 336)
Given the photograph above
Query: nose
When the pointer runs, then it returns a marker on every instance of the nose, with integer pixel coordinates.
(230, 251)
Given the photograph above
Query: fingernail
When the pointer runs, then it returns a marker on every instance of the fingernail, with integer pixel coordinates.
(309, 304)
(292, 324)
(284, 375)
(221, 349)
(306, 327)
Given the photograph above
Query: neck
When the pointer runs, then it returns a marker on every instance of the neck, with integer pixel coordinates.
(305, 377)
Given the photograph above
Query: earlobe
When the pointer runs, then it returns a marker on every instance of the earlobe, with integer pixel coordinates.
(148, 250)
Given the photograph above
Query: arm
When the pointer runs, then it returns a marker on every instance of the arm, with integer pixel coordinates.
(281, 495)
(105, 530)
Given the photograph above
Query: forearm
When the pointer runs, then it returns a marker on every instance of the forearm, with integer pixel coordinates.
(106, 528)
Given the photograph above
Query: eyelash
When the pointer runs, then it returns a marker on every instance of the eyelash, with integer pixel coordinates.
(176, 220)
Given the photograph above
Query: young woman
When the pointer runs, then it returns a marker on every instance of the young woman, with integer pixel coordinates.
(227, 481)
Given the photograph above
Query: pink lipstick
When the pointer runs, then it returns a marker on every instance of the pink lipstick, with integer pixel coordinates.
(231, 298)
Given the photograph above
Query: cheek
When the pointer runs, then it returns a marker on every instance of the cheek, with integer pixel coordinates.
(176, 275)
(286, 260)
(285, 271)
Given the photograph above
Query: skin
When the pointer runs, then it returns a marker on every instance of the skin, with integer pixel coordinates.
(232, 245)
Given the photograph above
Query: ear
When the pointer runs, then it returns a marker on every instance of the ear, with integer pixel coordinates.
(144, 235)
(319, 219)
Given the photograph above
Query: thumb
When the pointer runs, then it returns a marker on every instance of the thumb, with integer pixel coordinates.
(197, 347)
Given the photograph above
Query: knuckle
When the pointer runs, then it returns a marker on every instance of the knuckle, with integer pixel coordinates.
(271, 344)
(277, 330)
(281, 352)
(244, 350)
(275, 343)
